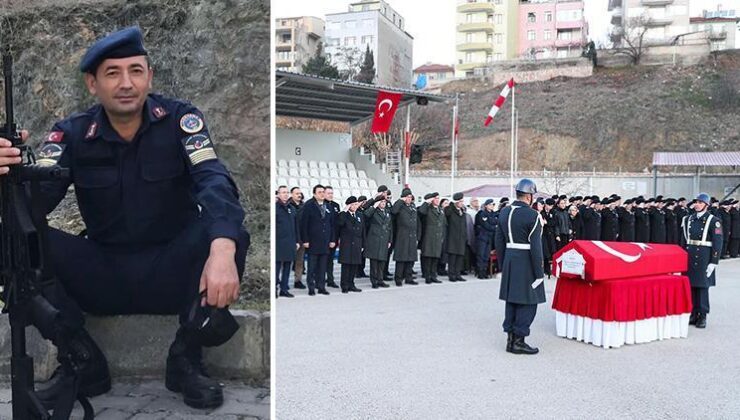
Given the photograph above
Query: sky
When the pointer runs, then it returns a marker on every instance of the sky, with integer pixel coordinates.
(433, 28)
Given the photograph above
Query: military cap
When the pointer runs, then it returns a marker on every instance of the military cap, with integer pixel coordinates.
(650, 200)
(578, 197)
(382, 188)
(660, 197)
(595, 198)
(362, 198)
(713, 199)
(555, 197)
(503, 200)
(628, 201)
(550, 202)
(405, 192)
(350, 200)
(428, 196)
(681, 199)
(563, 197)
(572, 199)
(487, 202)
(457, 196)
(125, 43)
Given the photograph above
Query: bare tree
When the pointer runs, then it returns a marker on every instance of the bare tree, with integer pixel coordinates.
(349, 60)
(629, 40)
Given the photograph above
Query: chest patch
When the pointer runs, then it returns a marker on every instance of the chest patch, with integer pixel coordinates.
(55, 136)
(191, 123)
(49, 154)
(199, 148)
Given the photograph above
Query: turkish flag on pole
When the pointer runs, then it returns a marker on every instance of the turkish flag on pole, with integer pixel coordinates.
(499, 101)
(385, 109)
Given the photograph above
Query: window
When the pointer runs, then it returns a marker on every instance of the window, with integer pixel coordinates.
(499, 38)
(497, 2)
(350, 24)
(569, 15)
(531, 36)
(564, 35)
(548, 34)
(489, 57)
(489, 38)
(350, 41)
(469, 18)
(367, 39)
(285, 38)
(499, 18)
(367, 22)
(531, 17)
(499, 57)
(333, 26)
(332, 42)
(468, 57)
(548, 16)
(468, 37)
(489, 18)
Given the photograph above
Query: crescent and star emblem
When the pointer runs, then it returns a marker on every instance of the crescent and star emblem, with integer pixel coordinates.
(624, 257)
(380, 107)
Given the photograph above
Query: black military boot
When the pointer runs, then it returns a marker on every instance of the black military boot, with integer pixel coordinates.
(186, 375)
(701, 320)
(518, 346)
(692, 319)
(509, 340)
(92, 369)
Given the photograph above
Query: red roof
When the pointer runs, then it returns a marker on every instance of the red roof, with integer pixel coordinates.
(712, 20)
(696, 159)
(434, 68)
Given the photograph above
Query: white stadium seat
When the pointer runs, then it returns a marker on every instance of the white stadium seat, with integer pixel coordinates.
(313, 164)
(324, 172)
(363, 183)
(303, 182)
(353, 183)
(344, 183)
(334, 181)
(302, 164)
(333, 173)
(282, 171)
(283, 163)
(325, 181)
(352, 173)
(313, 181)
(283, 181)
(372, 184)
(292, 182)
(343, 173)
(341, 165)
(303, 172)
(332, 165)
(361, 174)
(292, 163)
(350, 165)
(314, 172)
(294, 172)
(356, 193)
(322, 165)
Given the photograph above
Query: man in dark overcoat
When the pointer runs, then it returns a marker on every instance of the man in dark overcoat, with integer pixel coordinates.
(485, 227)
(379, 237)
(407, 231)
(286, 239)
(351, 234)
(434, 228)
(457, 236)
(317, 234)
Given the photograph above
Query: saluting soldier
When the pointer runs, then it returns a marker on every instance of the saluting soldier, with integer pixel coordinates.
(485, 227)
(609, 220)
(724, 213)
(435, 226)
(379, 236)
(592, 220)
(457, 236)
(671, 222)
(351, 234)
(702, 238)
(407, 232)
(642, 221)
(657, 221)
(735, 230)
(519, 248)
(626, 221)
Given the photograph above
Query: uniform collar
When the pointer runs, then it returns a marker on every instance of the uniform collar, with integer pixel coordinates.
(100, 126)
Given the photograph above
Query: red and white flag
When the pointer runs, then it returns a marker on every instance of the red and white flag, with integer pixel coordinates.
(499, 101)
(385, 109)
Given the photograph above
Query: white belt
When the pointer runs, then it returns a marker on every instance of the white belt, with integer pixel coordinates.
(512, 245)
(699, 243)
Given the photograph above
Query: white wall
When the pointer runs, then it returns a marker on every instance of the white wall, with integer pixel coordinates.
(312, 145)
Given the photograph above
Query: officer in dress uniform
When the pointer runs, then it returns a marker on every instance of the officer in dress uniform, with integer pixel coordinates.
(351, 234)
(485, 227)
(286, 240)
(457, 236)
(162, 213)
(407, 231)
(519, 248)
(642, 221)
(626, 221)
(433, 239)
(610, 219)
(592, 220)
(702, 238)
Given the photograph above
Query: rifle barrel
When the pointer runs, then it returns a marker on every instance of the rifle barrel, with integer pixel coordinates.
(8, 78)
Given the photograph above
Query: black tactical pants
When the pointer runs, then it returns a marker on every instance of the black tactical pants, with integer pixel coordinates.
(518, 318)
(734, 247)
(700, 300)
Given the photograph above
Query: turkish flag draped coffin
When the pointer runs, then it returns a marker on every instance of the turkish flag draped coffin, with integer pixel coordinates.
(385, 108)
(598, 260)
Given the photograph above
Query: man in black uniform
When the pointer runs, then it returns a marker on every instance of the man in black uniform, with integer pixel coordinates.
(726, 217)
(334, 207)
(351, 233)
(702, 238)
(592, 220)
(434, 231)
(657, 221)
(163, 219)
(457, 236)
(626, 221)
(735, 229)
(519, 249)
(642, 221)
(485, 227)
(407, 231)
(681, 211)
(671, 222)
(609, 220)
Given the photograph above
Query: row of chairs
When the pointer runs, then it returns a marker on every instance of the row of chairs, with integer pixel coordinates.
(320, 173)
(282, 163)
(343, 183)
(340, 193)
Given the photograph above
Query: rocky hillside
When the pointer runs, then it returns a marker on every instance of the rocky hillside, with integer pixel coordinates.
(615, 119)
(214, 53)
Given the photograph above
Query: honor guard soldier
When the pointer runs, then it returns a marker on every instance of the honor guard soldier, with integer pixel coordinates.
(164, 224)
(519, 249)
(485, 227)
(702, 238)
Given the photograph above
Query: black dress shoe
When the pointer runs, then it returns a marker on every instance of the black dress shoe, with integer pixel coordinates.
(428, 281)
(518, 346)
(441, 272)
(692, 319)
(286, 293)
(453, 279)
(509, 340)
(323, 292)
(411, 282)
(701, 320)
(354, 289)
(383, 284)
(460, 279)
(436, 281)
(464, 273)
(399, 283)
(361, 275)
(375, 286)
(311, 293)
(299, 285)
(332, 284)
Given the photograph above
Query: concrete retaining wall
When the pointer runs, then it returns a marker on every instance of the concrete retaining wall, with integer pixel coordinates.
(136, 346)
(535, 71)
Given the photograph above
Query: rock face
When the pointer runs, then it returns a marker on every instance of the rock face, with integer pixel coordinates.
(215, 54)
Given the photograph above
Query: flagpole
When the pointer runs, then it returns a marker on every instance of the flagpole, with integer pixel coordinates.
(511, 171)
(452, 155)
(516, 144)
(407, 144)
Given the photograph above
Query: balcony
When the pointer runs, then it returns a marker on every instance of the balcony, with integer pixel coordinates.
(568, 43)
(475, 27)
(572, 24)
(717, 35)
(655, 3)
(656, 22)
(284, 29)
(475, 7)
(475, 46)
(282, 46)
(471, 66)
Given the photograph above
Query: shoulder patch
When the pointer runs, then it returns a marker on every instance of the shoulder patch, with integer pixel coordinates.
(199, 148)
(718, 225)
(55, 136)
(50, 153)
(191, 123)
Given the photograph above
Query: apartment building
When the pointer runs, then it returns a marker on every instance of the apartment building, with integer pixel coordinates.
(663, 19)
(551, 29)
(486, 32)
(296, 40)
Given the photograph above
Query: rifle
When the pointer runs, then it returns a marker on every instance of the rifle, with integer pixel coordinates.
(24, 275)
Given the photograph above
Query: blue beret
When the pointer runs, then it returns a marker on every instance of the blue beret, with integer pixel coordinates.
(125, 43)
(489, 201)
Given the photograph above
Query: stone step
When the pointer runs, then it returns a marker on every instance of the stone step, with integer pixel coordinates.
(136, 346)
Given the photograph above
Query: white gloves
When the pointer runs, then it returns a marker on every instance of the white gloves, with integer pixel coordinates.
(537, 282)
(710, 269)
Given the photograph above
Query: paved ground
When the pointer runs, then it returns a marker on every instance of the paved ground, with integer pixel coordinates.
(150, 400)
(437, 351)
